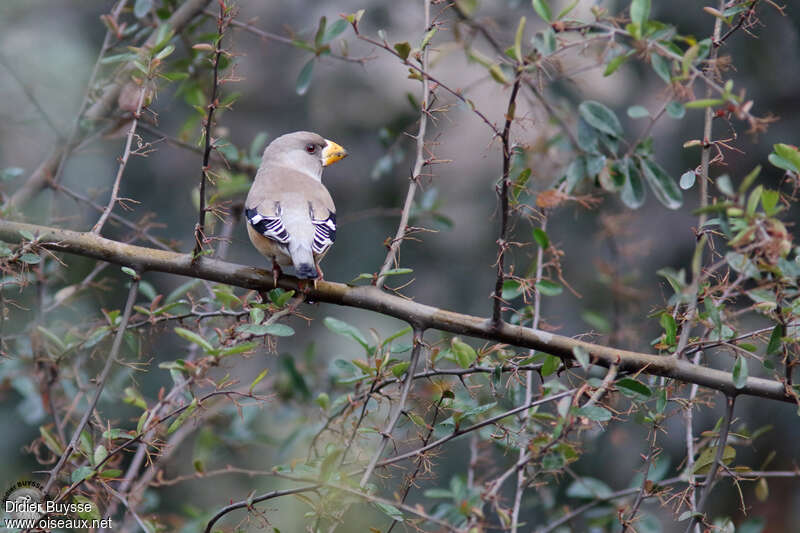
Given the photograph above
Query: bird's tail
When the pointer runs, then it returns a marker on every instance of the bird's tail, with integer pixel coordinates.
(303, 261)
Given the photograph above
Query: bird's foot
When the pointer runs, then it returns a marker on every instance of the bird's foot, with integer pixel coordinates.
(276, 273)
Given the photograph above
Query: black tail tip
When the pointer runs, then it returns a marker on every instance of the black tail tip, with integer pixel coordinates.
(306, 271)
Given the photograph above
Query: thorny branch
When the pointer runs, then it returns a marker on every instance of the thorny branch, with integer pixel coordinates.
(419, 163)
(368, 297)
(223, 20)
(101, 382)
(712, 473)
(502, 241)
(98, 227)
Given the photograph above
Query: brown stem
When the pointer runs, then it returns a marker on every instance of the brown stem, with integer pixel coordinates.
(126, 154)
(386, 434)
(368, 297)
(101, 381)
(402, 227)
(502, 241)
(712, 473)
(199, 231)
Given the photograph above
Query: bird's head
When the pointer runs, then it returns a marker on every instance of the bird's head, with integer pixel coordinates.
(304, 151)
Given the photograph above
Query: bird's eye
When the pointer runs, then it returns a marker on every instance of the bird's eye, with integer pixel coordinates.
(311, 148)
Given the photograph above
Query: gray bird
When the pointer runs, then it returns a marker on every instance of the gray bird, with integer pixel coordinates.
(290, 214)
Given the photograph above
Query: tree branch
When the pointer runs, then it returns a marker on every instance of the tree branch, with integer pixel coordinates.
(394, 247)
(370, 298)
(502, 240)
(101, 381)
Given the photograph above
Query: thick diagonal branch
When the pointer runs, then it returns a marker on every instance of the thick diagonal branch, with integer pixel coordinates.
(370, 298)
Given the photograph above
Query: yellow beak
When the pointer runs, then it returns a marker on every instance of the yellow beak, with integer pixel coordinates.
(332, 153)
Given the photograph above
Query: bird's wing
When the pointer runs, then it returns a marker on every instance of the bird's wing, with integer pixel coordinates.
(285, 205)
(269, 226)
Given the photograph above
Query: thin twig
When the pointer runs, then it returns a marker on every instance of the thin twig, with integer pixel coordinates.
(258, 499)
(537, 310)
(101, 381)
(370, 298)
(705, 157)
(386, 434)
(419, 162)
(712, 473)
(502, 241)
(98, 227)
(489, 421)
(199, 231)
(642, 494)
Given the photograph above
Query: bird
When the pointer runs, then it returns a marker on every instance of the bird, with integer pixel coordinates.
(290, 215)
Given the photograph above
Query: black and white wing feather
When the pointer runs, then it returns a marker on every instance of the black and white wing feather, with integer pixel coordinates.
(270, 227)
(324, 233)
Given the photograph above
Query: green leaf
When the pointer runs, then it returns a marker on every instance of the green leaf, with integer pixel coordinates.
(616, 62)
(323, 21)
(541, 238)
(427, 38)
(581, 355)
(129, 271)
(749, 179)
(740, 372)
(550, 365)
(304, 78)
(632, 188)
(662, 66)
(662, 185)
(600, 117)
(703, 463)
(464, 353)
(181, 291)
(511, 289)
(633, 389)
(640, 12)
(334, 30)
(549, 288)
(676, 110)
(753, 200)
(258, 379)
(166, 52)
(141, 8)
(186, 413)
(323, 400)
(276, 330)
(390, 510)
(403, 49)
(52, 337)
(670, 328)
(99, 454)
(702, 103)
(191, 336)
(397, 271)
(30, 259)
(775, 339)
(346, 330)
(687, 180)
(637, 111)
(588, 488)
(564, 12)
(518, 39)
(542, 8)
(400, 368)
(595, 413)
(789, 154)
(81, 473)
